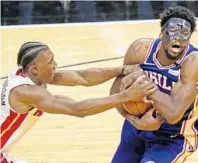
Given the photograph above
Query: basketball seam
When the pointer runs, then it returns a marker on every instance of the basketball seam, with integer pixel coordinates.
(138, 108)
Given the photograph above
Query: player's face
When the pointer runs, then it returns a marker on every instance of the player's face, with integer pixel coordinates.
(176, 35)
(46, 66)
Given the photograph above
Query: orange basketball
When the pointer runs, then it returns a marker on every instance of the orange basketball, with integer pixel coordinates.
(136, 108)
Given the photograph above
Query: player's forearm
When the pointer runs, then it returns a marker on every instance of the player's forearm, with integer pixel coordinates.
(97, 105)
(86, 77)
(99, 75)
(170, 108)
(165, 107)
(65, 105)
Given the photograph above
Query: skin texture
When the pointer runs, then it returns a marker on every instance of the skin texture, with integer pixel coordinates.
(43, 71)
(171, 107)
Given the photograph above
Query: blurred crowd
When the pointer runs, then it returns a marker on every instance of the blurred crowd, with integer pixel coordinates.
(48, 12)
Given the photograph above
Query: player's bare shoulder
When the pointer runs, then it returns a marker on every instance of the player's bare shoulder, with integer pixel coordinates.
(137, 51)
(21, 96)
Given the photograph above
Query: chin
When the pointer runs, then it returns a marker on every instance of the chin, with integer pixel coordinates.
(171, 56)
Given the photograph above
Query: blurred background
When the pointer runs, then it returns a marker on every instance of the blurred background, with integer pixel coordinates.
(49, 12)
(63, 138)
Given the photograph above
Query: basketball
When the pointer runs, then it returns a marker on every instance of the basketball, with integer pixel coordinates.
(136, 108)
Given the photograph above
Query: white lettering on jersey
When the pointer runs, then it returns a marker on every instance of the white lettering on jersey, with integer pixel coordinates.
(160, 80)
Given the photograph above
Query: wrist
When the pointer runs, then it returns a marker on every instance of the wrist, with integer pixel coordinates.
(124, 97)
(132, 119)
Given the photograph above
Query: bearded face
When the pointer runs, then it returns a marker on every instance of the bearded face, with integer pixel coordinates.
(176, 36)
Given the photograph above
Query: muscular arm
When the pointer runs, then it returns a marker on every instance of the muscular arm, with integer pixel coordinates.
(35, 96)
(172, 107)
(134, 55)
(184, 92)
(146, 122)
(86, 77)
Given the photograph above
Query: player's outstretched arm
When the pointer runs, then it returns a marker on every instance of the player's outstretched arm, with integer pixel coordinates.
(88, 77)
(184, 92)
(38, 97)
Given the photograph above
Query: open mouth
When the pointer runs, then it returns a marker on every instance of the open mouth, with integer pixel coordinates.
(176, 48)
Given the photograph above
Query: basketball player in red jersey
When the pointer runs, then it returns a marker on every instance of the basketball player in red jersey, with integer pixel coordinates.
(24, 96)
(171, 62)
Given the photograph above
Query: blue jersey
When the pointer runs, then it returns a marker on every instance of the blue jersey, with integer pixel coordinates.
(165, 77)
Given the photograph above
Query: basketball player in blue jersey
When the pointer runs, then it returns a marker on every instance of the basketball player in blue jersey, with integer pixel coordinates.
(171, 62)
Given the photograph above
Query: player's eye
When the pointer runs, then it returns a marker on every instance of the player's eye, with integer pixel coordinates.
(185, 31)
(172, 29)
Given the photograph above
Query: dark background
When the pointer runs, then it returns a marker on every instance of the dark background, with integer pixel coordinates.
(49, 12)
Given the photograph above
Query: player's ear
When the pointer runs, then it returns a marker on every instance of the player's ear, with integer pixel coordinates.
(34, 69)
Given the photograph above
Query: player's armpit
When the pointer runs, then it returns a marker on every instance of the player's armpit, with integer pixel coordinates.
(184, 92)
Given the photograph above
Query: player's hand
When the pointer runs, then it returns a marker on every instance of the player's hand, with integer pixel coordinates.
(129, 79)
(139, 89)
(127, 69)
(148, 121)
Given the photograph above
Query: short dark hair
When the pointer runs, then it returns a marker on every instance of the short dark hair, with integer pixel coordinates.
(28, 52)
(178, 12)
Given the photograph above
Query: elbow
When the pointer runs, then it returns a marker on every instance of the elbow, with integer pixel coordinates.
(173, 119)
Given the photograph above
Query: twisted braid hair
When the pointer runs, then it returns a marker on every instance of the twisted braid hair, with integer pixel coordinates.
(28, 52)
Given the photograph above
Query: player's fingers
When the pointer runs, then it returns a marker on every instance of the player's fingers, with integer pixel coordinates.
(151, 91)
(197, 85)
(160, 118)
(126, 82)
(128, 70)
(148, 86)
(139, 80)
(145, 99)
(122, 87)
(157, 116)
